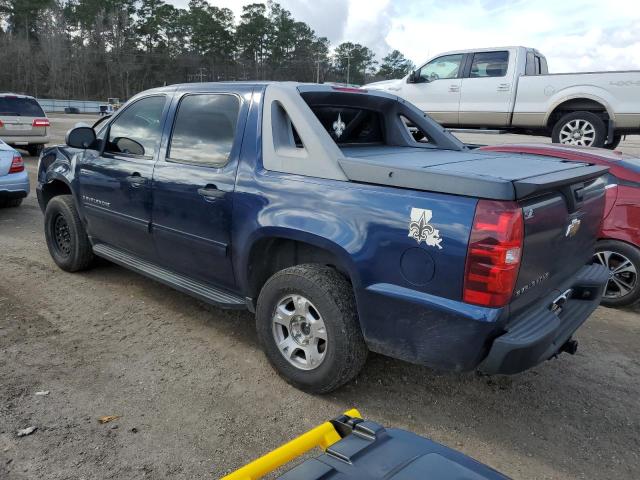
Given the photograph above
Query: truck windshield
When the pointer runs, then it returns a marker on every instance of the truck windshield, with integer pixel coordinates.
(20, 107)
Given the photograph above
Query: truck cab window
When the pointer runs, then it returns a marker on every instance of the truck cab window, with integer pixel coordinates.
(204, 129)
(351, 126)
(137, 130)
(447, 66)
(489, 64)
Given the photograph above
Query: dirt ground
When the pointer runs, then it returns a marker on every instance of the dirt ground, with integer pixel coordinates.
(196, 397)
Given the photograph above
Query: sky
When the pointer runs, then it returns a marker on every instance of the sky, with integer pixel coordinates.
(574, 35)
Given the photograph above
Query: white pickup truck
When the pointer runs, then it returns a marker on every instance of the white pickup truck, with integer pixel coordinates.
(510, 88)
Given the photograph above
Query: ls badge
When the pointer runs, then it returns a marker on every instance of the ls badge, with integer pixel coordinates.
(420, 229)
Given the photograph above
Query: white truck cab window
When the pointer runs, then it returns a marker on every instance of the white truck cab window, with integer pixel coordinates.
(447, 66)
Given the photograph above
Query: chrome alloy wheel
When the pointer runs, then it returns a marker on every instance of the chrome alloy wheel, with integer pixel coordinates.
(299, 332)
(622, 273)
(578, 132)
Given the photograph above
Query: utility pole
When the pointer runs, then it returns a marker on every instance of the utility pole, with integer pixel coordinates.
(318, 71)
(348, 66)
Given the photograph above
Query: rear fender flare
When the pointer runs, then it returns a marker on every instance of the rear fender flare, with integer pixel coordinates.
(595, 94)
(286, 233)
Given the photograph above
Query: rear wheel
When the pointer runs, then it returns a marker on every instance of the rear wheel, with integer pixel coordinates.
(583, 129)
(623, 262)
(66, 236)
(10, 202)
(308, 326)
(35, 150)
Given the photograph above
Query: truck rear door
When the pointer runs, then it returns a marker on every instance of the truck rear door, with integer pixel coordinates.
(194, 180)
(488, 89)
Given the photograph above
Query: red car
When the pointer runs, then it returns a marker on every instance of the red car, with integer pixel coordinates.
(619, 245)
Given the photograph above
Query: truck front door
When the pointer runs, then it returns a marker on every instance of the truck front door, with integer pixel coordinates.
(193, 185)
(435, 88)
(488, 90)
(115, 182)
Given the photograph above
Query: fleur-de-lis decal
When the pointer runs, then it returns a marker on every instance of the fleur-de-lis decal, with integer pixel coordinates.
(420, 229)
(338, 127)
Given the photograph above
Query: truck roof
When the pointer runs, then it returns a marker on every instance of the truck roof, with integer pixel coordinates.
(293, 87)
(483, 49)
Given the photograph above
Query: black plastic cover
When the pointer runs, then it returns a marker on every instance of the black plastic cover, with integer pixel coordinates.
(373, 452)
(489, 175)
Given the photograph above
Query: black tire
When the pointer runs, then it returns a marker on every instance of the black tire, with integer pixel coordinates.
(10, 202)
(620, 251)
(600, 130)
(332, 297)
(616, 141)
(66, 236)
(35, 150)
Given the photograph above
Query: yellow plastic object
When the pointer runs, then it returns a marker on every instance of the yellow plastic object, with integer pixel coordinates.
(321, 436)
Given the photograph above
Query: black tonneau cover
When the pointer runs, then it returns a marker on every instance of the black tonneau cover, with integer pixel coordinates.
(491, 175)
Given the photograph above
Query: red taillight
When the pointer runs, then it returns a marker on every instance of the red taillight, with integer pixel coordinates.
(1, 124)
(17, 164)
(40, 122)
(494, 253)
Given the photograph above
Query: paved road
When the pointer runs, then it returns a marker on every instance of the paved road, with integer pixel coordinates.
(197, 398)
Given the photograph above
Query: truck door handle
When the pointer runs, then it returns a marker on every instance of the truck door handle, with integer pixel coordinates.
(503, 87)
(454, 88)
(136, 180)
(210, 191)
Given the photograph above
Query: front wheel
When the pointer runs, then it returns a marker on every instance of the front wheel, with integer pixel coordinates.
(66, 236)
(623, 262)
(308, 326)
(583, 129)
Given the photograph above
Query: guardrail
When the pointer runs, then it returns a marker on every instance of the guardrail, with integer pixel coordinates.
(82, 106)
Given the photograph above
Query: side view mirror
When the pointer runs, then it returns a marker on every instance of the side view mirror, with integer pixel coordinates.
(81, 137)
(412, 77)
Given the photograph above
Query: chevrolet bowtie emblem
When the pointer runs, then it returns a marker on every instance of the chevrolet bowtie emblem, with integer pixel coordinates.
(572, 228)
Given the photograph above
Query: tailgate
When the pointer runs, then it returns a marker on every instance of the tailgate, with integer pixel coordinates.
(562, 219)
(20, 127)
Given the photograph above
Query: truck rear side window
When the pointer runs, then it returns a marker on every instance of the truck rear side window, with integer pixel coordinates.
(351, 125)
(204, 129)
(20, 107)
(536, 65)
(489, 64)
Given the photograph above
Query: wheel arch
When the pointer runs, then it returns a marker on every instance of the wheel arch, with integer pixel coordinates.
(578, 102)
(56, 186)
(278, 249)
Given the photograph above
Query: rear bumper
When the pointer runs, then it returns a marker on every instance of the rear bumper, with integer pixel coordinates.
(539, 334)
(20, 141)
(14, 185)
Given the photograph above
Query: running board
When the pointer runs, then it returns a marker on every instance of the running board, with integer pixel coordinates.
(477, 130)
(184, 284)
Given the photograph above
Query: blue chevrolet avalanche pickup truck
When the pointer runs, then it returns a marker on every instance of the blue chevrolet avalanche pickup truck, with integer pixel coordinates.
(347, 220)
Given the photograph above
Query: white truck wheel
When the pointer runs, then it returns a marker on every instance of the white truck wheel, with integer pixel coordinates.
(583, 129)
